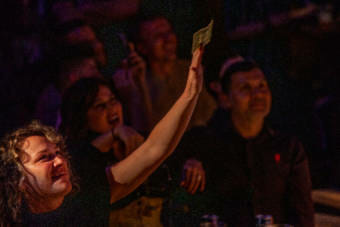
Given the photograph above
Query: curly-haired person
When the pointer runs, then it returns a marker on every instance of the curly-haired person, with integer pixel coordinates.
(35, 175)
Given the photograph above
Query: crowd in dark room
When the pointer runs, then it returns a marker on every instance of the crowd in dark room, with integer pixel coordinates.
(49, 45)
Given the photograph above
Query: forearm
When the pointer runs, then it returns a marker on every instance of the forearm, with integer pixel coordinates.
(160, 143)
(131, 172)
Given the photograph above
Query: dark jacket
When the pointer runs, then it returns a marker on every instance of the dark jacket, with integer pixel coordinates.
(265, 175)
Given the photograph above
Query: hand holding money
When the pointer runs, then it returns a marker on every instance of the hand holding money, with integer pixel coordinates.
(202, 36)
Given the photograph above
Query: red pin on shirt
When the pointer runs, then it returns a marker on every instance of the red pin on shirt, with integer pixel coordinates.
(277, 158)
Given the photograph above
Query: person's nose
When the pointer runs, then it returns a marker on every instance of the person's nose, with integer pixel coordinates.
(170, 37)
(258, 92)
(58, 161)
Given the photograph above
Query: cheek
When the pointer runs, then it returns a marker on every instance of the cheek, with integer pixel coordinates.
(157, 47)
(241, 100)
(39, 178)
(120, 113)
(172, 39)
(97, 122)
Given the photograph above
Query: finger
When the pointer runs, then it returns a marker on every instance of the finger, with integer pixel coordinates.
(193, 180)
(188, 176)
(197, 184)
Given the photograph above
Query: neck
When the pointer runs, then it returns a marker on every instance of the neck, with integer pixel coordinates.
(162, 68)
(247, 128)
(38, 206)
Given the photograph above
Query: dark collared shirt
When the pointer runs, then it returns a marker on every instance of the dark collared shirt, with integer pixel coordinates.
(265, 175)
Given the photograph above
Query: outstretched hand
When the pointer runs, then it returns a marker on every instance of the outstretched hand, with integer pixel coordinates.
(195, 76)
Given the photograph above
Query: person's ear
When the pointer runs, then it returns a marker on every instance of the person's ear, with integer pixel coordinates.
(215, 86)
(224, 100)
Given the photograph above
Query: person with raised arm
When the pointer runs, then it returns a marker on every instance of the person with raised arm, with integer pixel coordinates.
(35, 166)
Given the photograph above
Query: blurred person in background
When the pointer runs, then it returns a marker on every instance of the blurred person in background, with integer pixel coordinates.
(71, 62)
(164, 76)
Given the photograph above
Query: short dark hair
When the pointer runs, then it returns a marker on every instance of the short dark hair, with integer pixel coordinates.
(134, 29)
(241, 66)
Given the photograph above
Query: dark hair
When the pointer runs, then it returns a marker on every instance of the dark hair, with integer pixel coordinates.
(133, 33)
(62, 29)
(69, 56)
(76, 101)
(241, 66)
(12, 170)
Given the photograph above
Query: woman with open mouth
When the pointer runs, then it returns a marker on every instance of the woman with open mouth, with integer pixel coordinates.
(92, 122)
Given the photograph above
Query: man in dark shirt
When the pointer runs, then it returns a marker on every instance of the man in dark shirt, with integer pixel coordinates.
(251, 168)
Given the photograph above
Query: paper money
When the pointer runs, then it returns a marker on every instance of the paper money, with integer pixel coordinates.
(202, 36)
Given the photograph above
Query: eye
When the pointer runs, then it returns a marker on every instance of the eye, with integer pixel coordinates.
(113, 101)
(100, 106)
(46, 157)
(263, 85)
(244, 87)
(43, 158)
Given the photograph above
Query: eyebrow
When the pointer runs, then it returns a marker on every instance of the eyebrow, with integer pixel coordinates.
(41, 151)
(100, 100)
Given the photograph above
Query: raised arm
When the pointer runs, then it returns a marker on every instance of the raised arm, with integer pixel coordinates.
(128, 174)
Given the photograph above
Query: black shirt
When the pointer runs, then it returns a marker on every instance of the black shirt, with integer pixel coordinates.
(265, 175)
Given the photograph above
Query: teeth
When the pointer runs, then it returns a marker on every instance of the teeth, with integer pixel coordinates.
(114, 119)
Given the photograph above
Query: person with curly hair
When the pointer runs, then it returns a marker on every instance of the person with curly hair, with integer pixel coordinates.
(35, 174)
(34, 193)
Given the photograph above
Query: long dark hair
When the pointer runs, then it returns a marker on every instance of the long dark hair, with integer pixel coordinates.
(76, 101)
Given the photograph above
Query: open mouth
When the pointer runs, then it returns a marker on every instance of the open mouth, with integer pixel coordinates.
(58, 176)
(114, 121)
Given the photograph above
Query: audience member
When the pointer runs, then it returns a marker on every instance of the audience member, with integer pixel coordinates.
(34, 164)
(78, 31)
(90, 112)
(263, 30)
(155, 40)
(252, 168)
(72, 63)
